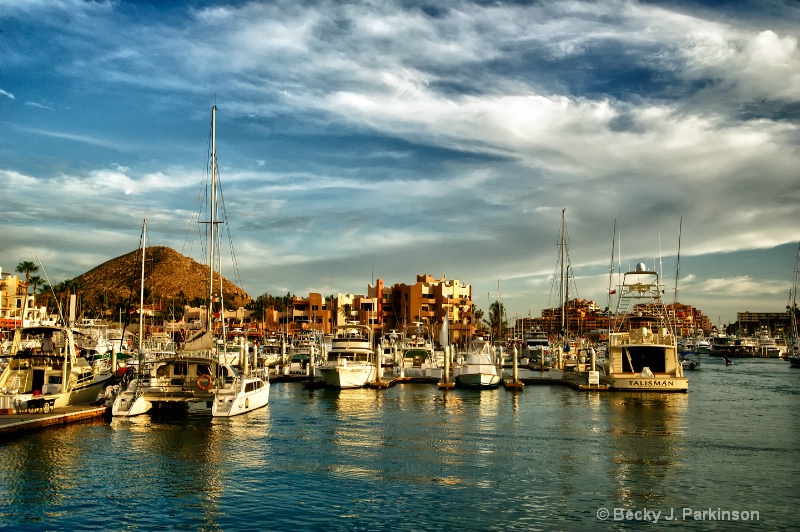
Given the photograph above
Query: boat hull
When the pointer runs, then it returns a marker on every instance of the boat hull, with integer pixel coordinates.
(656, 383)
(348, 376)
(85, 394)
(478, 380)
(128, 404)
(229, 405)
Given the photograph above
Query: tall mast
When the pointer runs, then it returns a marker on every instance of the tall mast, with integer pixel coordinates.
(793, 303)
(678, 265)
(213, 221)
(563, 290)
(141, 289)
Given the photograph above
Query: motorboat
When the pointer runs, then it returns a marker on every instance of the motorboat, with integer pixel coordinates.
(350, 362)
(642, 352)
(535, 352)
(478, 369)
(417, 360)
(689, 359)
(43, 363)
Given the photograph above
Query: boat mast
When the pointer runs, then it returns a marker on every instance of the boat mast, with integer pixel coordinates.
(563, 291)
(793, 305)
(141, 289)
(212, 213)
(140, 354)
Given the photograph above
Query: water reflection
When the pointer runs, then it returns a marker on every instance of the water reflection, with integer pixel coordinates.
(646, 445)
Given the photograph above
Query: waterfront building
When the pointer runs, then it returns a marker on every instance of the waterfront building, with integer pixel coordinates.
(427, 302)
(17, 306)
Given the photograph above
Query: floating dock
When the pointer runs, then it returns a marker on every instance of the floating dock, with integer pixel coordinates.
(575, 380)
(24, 421)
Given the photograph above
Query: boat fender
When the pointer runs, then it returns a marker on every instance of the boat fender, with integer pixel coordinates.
(204, 382)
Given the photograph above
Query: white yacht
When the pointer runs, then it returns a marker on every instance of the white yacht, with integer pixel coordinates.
(417, 359)
(642, 353)
(350, 362)
(478, 369)
(44, 367)
(535, 350)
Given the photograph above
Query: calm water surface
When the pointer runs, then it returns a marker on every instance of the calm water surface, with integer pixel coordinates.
(416, 458)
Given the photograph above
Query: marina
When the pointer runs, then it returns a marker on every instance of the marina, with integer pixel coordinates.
(414, 457)
(420, 326)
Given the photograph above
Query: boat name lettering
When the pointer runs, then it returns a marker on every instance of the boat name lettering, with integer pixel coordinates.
(652, 382)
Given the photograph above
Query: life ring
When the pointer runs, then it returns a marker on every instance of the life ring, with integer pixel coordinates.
(204, 382)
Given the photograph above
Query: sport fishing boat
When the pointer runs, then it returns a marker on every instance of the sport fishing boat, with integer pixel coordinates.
(478, 369)
(44, 369)
(350, 362)
(535, 349)
(417, 358)
(642, 352)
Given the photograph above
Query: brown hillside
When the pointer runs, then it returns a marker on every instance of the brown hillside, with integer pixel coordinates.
(167, 275)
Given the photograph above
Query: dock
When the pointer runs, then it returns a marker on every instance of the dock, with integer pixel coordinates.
(24, 421)
(574, 380)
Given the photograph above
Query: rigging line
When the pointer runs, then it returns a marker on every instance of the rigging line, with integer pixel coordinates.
(200, 200)
(58, 303)
(236, 274)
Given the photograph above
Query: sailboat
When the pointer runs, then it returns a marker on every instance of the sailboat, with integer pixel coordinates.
(130, 401)
(195, 379)
(793, 345)
(688, 357)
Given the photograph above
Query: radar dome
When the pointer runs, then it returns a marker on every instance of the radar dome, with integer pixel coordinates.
(641, 267)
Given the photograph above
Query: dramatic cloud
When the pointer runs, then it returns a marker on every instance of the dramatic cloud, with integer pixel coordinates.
(389, 139)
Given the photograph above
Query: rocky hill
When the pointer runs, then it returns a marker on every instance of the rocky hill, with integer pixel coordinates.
(168, 274)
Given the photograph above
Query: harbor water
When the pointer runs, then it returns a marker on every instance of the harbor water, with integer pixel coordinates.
(412, 457)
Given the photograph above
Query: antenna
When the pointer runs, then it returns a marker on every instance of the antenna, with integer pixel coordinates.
(678, 264)
(675, 296)
(611, 265)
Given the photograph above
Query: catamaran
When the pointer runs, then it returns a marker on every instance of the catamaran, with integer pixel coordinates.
(198, 378)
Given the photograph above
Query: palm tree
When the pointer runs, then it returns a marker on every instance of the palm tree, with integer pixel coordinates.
(477, 315)
(35, 281)
(346, 311)
(497, 322)
(27, 267)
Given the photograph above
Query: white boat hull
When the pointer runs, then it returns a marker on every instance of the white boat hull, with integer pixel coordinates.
(229, 405)
(127, 404)
(478, 380)
(350, 376)
(657, 383)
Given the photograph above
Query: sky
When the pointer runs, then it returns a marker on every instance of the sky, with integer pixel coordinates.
(388, 139)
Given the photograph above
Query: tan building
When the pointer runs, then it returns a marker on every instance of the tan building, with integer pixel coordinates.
(427, 301)
(17, 307)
